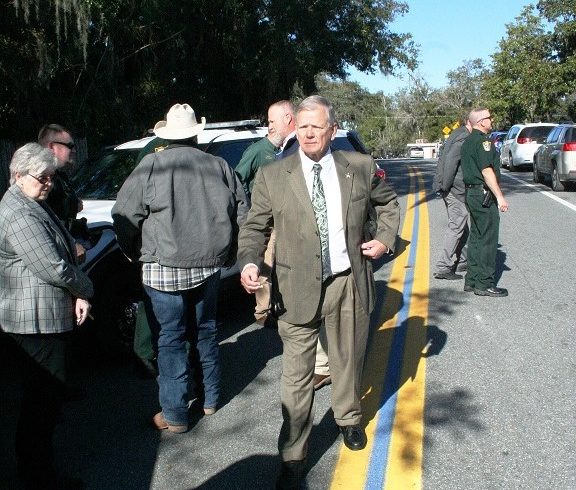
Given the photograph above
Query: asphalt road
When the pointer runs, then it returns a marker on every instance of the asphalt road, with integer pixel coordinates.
(498, 380)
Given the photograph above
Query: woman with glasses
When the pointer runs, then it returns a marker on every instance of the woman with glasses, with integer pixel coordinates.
(43, 295)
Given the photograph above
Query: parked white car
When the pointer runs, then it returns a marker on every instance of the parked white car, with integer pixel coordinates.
(521, 142)
(416, 152)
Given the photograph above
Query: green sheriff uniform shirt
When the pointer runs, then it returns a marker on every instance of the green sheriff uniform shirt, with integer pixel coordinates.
(157, 144)
(255, 156)
(478, 153)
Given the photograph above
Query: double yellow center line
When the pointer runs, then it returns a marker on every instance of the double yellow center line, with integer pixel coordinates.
(394, 374)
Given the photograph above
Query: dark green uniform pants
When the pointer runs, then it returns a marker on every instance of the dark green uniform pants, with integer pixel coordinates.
(483, 240)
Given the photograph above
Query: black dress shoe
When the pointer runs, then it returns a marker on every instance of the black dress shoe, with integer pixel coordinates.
(354, 437)
(291, 476)
(451, 276)
(494, 292)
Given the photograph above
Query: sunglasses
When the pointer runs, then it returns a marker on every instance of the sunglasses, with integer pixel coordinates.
(70, 146)
(43, 179)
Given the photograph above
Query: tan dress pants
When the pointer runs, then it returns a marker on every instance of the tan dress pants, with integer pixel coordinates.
(263, 295)
(347, 327)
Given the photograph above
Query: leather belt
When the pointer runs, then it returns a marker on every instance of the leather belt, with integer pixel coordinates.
(337, 275)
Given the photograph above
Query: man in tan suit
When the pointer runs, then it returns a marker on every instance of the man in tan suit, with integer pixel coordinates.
(318, 202)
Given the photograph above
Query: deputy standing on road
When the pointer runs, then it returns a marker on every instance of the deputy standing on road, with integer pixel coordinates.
(481, 171)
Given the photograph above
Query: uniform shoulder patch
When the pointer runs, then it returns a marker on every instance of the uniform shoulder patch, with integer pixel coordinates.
(486, 145)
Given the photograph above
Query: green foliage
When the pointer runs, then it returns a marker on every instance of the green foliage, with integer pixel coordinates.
(110, 69)
(525, 82)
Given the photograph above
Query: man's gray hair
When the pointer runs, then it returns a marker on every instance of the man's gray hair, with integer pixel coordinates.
(311, 103)
(32, 158)
(287, 105)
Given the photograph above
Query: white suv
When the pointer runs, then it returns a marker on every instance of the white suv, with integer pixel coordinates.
(117, 282)
(521, 142)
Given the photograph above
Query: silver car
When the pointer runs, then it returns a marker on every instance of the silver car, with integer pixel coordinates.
(556, 158)
(521, 143)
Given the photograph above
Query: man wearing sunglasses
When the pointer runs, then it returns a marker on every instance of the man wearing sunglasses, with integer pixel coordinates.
(62, 198)
(481, 171)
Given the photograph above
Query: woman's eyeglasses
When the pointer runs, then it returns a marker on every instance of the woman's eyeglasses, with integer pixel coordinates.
(43, 179)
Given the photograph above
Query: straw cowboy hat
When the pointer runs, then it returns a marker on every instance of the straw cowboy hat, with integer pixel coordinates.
(180, 123)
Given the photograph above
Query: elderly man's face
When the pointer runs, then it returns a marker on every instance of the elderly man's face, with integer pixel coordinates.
(63, 148)
(314, 132)
(279, 124)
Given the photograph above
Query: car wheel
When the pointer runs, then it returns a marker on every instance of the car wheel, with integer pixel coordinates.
(511, 166)
(556, 184)
(536, 177)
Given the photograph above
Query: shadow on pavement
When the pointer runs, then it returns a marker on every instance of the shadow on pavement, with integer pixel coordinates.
(250, 473)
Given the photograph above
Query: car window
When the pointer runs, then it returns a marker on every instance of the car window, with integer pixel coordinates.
(567, 134)
(537, 134)
(102, 179)
(553, 136)
(231, 151)
(350, 142)
(513, 132)
(570, 135)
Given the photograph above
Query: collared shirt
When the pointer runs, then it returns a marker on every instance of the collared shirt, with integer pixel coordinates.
(163, 278)
(339, 259)
(478, 153)
(283, 145)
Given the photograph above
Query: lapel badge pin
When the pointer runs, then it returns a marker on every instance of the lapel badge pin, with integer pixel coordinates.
(347, 175)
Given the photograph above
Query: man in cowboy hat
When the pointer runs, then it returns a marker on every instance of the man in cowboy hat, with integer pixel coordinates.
(178, 213)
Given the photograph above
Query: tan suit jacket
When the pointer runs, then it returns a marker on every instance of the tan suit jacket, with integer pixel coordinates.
(280, 201)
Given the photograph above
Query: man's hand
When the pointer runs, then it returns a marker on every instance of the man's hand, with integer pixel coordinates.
(80, 253)
(249, 279)
(374, 249)
(502, 204)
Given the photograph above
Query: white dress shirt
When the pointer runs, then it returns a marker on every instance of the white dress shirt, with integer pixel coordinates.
(339, 260)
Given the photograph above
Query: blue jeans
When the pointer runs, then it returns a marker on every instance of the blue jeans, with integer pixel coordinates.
(174, 318)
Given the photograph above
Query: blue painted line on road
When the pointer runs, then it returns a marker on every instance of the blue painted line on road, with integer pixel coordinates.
(376, 476)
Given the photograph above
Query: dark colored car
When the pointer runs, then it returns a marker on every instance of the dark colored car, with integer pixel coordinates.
(497, 137)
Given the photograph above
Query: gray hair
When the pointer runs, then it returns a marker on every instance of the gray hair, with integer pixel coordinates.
(287, 105)
(312, 102)
(32, 158)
